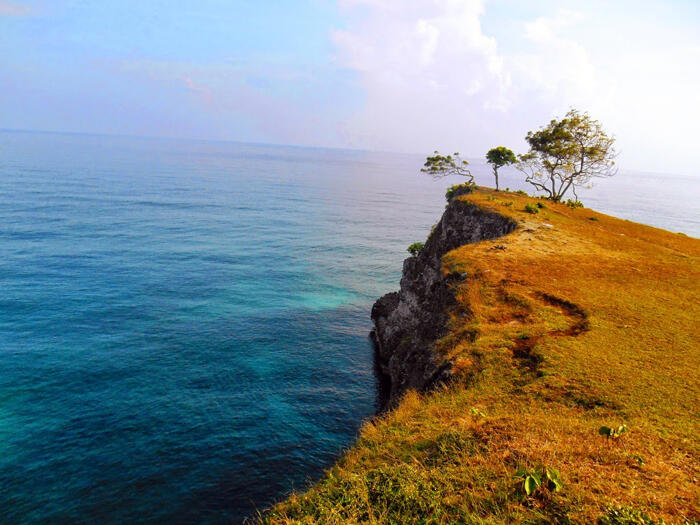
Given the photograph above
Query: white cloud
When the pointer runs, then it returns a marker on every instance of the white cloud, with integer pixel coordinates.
(431, 74)
(433, 77)
(639, 79)
(544, 29)
(556, 66)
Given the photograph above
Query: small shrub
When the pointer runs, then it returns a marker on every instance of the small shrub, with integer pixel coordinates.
(531, 208)
(540, 205)
(459, 189)
(592, 218)
(612, 433)
(508, 204)
(545, 479)
(415, 248)
(521, 192)
(574, 204)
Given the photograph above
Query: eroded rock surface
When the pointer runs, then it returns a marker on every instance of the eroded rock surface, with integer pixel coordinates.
(409, 321)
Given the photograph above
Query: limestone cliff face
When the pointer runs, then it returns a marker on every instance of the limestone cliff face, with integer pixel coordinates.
(409, 321)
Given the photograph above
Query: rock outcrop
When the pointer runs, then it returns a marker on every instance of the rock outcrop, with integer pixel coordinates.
(409, 321)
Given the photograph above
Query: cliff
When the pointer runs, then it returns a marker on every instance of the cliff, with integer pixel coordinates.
(548, 325)
(409, 322)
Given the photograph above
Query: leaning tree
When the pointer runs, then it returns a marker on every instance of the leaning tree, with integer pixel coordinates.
(567, 154)
(438, 166)
(499, 157)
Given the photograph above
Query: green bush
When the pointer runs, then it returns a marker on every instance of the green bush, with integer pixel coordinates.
(531, 208)
(458, 189)
(574, 204)
(415, 248)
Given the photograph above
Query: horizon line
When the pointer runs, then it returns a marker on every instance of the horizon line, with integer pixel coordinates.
(296, 146)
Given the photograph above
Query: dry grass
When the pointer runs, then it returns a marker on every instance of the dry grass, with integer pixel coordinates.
(581, 320)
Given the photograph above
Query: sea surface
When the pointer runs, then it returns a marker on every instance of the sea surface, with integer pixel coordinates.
(184, 324)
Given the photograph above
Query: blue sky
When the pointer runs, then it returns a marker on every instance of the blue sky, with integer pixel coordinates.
(374, 74)
(162, 68)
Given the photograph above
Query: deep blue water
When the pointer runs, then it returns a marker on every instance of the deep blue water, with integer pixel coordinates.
(184, 325)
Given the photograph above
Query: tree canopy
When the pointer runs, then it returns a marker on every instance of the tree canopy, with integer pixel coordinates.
(567, 154)
(499, 157)
(438, 166)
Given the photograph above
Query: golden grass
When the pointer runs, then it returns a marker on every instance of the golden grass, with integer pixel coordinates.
(581, 320)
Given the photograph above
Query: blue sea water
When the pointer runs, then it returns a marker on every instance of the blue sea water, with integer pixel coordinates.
(184, 324)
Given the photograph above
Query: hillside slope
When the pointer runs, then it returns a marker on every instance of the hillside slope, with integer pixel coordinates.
(574, 321)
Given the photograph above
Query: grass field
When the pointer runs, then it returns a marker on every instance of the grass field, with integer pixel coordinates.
(575, 321)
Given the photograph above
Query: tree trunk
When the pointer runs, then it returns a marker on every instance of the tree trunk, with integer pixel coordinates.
(495, 174)
(554, 188)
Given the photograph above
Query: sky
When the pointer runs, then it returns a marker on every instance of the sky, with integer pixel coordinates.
(390, 75)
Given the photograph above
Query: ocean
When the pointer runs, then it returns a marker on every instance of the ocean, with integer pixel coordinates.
(184, 324)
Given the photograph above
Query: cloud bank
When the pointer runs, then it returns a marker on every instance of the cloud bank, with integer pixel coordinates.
(435, 78)
(430, 73)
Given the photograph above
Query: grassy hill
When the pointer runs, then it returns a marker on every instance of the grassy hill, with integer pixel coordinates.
(575, 321)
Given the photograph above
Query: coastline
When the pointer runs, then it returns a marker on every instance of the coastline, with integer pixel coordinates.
(539, 339)
(409, 322)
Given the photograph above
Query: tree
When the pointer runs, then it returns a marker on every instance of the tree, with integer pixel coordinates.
(567, 154)
(499, 157)
(439, 166)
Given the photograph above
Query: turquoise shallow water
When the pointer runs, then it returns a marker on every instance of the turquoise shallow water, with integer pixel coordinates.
(184, 325)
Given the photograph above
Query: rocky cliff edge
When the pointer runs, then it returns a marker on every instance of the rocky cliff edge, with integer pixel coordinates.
(409, 322)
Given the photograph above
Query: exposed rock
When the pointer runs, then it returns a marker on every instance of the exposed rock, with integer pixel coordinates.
(409, 321)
